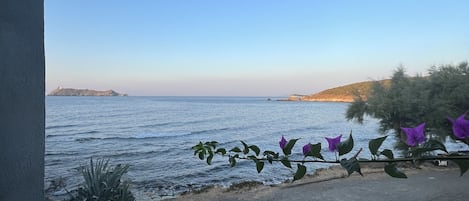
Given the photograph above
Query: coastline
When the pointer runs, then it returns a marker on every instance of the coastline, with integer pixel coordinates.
(319, 100)
(333, 184)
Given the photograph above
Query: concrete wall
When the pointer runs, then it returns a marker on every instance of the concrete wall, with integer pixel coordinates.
(22, 100)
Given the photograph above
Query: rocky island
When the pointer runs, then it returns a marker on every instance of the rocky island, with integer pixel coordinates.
(83, 92)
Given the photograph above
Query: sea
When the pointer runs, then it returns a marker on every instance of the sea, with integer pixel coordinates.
(154, 135)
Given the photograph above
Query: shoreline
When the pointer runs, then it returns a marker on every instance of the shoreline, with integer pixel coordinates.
(322, 178)
(319, 100)
(319, 175)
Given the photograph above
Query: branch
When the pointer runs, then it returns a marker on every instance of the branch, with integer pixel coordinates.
(370, 161)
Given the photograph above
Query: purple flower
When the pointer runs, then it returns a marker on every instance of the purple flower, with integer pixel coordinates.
(306, 149)
(415, 135)
(460, 127)
(283, 142)
(333, 142)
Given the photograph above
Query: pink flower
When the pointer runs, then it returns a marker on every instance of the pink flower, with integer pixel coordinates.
(333, 142)
(306, 149)
(283, 142)
(415, 135)
(460, 127)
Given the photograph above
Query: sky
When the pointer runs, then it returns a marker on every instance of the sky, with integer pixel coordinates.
(246, 47)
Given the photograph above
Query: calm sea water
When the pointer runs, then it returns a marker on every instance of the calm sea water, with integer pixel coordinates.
(155, 135)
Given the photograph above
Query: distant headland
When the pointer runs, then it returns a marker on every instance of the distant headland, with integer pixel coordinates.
(82, 92)
(345, 93)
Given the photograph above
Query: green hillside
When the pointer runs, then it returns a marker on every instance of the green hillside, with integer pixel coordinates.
(343, 93)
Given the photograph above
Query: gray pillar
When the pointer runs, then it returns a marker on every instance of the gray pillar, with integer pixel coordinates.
(22, 93)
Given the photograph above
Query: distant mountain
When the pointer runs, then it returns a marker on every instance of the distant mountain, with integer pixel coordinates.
(339, 94)
(82, 92)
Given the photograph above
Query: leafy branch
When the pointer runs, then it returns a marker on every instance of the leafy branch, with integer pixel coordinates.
(312, 154)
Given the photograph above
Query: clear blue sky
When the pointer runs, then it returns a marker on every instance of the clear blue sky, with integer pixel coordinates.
(246, 47)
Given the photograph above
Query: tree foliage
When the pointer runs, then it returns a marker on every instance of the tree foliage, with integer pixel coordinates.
(408, 101)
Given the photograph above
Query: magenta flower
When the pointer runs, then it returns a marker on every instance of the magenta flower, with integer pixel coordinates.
(306, 149)
(283, 142)
(460, 127)
(415, 135)
(333, 142)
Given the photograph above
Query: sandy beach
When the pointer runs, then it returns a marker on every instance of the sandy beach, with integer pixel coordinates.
(429, 183)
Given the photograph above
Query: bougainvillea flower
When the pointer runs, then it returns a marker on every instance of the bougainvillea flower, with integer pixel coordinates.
(306, 149)
(333, 142)
(283, 142)
(415, 135)
(460, 127)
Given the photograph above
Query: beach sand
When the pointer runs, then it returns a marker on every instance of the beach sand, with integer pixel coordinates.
(426, 183)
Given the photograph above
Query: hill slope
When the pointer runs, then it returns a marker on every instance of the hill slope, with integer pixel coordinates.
(339, 94)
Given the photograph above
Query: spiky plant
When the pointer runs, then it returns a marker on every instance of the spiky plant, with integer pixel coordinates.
(103, 183)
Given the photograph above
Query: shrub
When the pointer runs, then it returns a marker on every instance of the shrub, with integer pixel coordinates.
(103, 183)
(409, 101)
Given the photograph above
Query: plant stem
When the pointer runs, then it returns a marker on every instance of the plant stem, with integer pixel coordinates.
(373, 161)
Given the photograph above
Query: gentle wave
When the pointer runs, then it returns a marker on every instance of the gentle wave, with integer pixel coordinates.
(132, 154)
(72, 134)
(61, 153)
(156, 135)
(209, 131)
(179, 123)
(155, 125)
(308, 128)
(61, 126)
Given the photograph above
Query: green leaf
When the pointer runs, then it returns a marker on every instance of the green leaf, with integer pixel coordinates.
(236, 149)
(375, 144)
(252, 157)
(316, 151)
(198, 148)
(201, 155)
(221, 150)
(346, 146)
(246, 148)
(300, 172)
(271, 153)
(289, 146)
(210, 156)
(286, 162)
(209, 159)
(211, 144)
(269, 158)
(232, 161)
(433, 145)
(351, 165)
(259, 166)
(392, 171)
(255, 149)
(196, 151)
(388, 153)
(430, 145)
